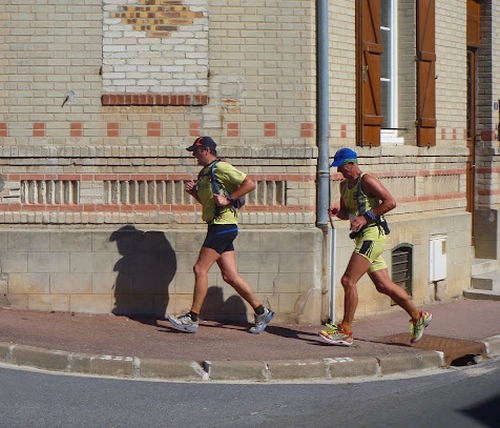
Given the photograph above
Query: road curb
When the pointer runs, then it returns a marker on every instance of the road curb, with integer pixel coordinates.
(492, 345)
(396, 363)
(149, 368)
(102, 365)
(237, 370)
(253, 371)
(31, 356)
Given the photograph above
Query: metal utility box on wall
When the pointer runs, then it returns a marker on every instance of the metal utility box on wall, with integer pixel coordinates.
(437, 258)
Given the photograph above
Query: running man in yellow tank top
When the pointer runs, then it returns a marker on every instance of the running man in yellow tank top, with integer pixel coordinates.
(222, 221)
(364, 201)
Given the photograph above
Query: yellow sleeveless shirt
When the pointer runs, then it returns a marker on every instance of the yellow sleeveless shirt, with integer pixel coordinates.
(355, 200)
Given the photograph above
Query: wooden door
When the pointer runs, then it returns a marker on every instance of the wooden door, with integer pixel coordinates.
(368, 59)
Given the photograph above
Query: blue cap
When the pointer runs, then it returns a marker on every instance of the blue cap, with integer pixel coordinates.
(344, 156)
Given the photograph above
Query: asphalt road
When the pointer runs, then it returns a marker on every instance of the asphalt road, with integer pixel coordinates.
(458, 397)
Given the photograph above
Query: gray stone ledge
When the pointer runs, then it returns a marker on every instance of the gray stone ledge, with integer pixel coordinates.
(397, 363)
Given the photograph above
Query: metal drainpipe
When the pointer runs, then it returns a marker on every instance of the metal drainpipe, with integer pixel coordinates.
(323, 165)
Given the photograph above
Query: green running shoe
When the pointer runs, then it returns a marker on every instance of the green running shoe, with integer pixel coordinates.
(417, 327)
(336, 336)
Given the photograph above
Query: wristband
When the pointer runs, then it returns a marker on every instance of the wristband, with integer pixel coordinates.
(370, 215)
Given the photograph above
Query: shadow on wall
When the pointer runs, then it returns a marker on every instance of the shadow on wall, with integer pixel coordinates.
(214, 307)
(145, 271)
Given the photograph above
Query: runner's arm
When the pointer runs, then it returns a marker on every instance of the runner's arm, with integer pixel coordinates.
(245, 187)
(374, 188)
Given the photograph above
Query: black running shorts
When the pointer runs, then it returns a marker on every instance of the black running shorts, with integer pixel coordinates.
(220, 237)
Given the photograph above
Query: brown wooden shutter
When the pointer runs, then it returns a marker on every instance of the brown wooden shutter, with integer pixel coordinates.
(426, 73)
(473, 23)
(369, 51)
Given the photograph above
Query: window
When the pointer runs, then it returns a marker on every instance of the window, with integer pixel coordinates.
(389, 72)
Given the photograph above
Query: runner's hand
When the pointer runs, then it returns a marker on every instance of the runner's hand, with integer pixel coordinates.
(358, 223)
(190, 187)
(221, 200)
(333, 211)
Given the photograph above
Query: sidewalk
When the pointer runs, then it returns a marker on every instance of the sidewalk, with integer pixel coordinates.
(120, 346)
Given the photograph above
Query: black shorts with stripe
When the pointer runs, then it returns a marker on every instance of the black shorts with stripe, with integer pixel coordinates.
(220, 237)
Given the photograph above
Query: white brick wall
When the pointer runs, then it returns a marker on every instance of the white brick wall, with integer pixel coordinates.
(142, 61)
(342, 47)
(264, 52)
(451, 69)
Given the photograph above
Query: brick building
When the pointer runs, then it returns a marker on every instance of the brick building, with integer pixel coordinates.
(98, 100)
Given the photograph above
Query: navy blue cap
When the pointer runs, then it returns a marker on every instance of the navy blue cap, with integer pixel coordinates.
(202, 142)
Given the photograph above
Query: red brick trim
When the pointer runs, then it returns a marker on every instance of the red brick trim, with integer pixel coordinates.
(195, 129)
(233, 129)
(154, 99)
(343, 131)
(38, 129)
(307, 129)
(488, 170)
(270, 129)
(113, 129)
(488, 135)
(488, 192)
(76, 129)
(154, 129)
(426, 198)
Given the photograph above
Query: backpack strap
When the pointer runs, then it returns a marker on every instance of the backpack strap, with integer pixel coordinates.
(210, 173)
(217, 186)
